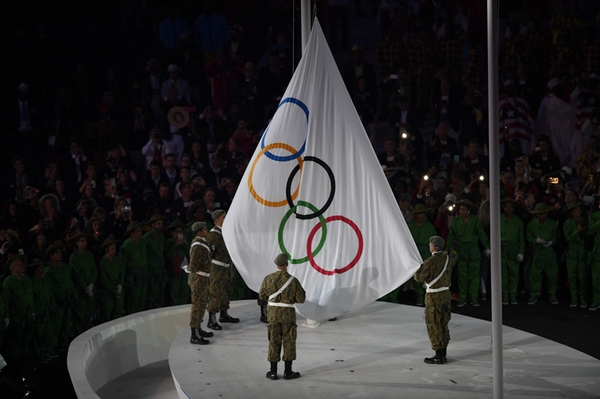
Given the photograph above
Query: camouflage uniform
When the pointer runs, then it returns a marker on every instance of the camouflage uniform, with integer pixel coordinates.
(200, 268)
(437, 304)
(221, 277)
(282, 320)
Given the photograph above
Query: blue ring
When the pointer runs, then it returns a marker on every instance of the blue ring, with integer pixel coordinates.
(270, 155)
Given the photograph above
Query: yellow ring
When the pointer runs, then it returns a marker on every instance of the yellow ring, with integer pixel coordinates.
(257, 197)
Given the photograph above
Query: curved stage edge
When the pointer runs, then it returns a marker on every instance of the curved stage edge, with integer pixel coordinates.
(376, 352)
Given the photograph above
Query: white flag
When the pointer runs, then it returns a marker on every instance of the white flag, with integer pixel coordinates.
(315, 190)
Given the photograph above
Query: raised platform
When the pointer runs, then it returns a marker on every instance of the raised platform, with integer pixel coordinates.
(375, 353)
(378, 353)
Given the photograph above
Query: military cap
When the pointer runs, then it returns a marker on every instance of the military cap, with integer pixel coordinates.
(36, 262)
(77, 236)
(52, 249)
(132, 226)
(542, 207)
(437, 241)
(281, 259)
(419, 208)
(156, 217)
(13, 234)
(198, 226)
(12, 260)
(216, 214)
(573, 205)
(106, 243)
(466, 203)
(174, 224)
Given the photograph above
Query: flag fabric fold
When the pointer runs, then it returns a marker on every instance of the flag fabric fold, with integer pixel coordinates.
(315, 190)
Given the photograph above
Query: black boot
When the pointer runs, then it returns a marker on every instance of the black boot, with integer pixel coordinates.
(225, 318)
(272, 374)
(288, 374)
(198, 340)
(263, 314)
(437, 359)
(444, 355)
(205, 334)
(212, 322)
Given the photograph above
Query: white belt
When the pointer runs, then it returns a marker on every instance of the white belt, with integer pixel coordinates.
(203, 274)
(430, 290)
(219, 263)
(283, 305)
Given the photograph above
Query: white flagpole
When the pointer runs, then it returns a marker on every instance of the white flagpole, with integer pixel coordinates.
(492, 42)
(305, 21)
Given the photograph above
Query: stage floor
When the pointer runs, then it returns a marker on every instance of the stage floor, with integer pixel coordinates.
(378, 353)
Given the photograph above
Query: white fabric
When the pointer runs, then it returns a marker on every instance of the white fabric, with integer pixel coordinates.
(540, 240)
(219, 263)
(317, 114)
(519, 258)
(557, 120)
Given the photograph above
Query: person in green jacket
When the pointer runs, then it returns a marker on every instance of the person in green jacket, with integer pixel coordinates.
(421, 230)
(594, 231)
(542, 233)
(577, 266)
(464, 234)
(58, 274)
(4, 320)
(154, 241)
(111, 282)
(512, 239)
(44, 305)
(17, 293)
(133, 254)
(83, 273)
(176, 254)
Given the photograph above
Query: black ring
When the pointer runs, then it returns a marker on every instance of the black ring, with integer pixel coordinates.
(288, 189)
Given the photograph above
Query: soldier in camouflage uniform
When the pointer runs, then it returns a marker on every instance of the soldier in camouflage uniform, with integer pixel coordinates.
(199, 269)
(435, 273)
(221, 275)
(282, 290)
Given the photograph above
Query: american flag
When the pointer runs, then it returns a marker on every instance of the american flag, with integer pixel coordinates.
(515, 119)
(586, 102)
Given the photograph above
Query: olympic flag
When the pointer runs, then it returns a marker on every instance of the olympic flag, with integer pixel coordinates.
(315, 190)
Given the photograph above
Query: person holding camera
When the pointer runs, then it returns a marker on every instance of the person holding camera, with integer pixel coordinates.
(156, 148)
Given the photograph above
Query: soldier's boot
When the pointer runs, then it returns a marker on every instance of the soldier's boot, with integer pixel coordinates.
(198, 340)
(205, 334)
(444, 355)
(263, 314)
(225, 318)
(212, 322)
(288, 374)
(272, 374)
(437, 359)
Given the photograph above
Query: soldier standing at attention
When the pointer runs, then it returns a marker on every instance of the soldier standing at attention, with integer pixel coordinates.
(282, 291)
(199, 269)
(435, 273)
(421, 230)
(221, 275)
(133, 254)
(512, 238)
(154, 241)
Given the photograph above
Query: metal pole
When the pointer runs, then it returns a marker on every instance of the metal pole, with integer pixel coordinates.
(496, 291)
(305, 21)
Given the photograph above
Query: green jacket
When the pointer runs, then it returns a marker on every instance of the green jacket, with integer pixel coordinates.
(155, 250)
(61, 284)
(421, 235)
(548, 231)
(42, 295)
(293, 293)
(83, 271)
(134, 255)
(112, 273)
(18, 296)
(432, 267)
(512, 232)
(594, 229)
(470, 233)
(572, 233)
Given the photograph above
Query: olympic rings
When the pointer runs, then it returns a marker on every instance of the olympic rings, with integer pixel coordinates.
(284, 221)
(288, 188)
(297, 154)
(257, 197)
(349, 265)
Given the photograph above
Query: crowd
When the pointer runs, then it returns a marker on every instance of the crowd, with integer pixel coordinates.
(112, 162)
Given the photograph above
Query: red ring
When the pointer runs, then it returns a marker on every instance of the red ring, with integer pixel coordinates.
(345, 268)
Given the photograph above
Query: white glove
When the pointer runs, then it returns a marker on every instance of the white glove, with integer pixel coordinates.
(6, 321)
(540, 240)
(519, 258)
(488, 252)
(548, 244)
(119, 289)
(88, 290)
(185, 269)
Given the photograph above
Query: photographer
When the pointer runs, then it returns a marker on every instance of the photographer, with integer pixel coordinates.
(156, 148)
(119, 219)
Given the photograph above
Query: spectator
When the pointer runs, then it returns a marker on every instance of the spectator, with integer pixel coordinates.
(211, 31)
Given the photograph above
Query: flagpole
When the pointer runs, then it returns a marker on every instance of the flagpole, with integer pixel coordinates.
(305, 22)
(496, 288)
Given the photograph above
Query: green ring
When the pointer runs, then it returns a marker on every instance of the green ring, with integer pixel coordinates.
(285, 219)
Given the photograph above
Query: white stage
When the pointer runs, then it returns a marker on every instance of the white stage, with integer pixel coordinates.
(375, 353)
